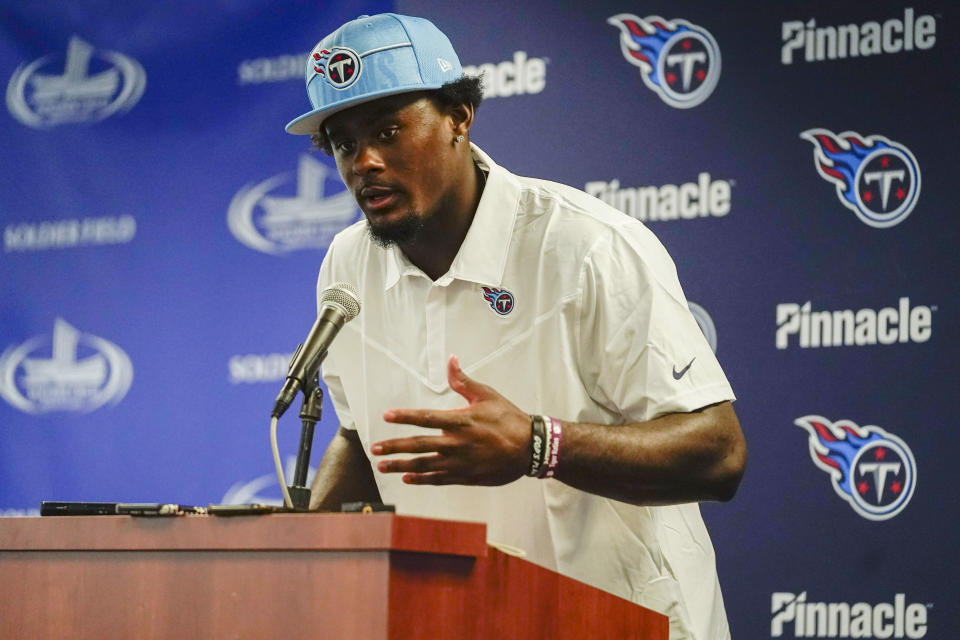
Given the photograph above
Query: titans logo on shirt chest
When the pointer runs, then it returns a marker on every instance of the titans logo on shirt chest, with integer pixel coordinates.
(500, 300)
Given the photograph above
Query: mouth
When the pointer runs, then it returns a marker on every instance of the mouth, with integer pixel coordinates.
(375, 199)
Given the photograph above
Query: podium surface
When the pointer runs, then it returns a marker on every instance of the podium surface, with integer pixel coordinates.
(352, 576)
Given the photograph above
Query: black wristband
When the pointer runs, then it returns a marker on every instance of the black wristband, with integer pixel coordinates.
(538, 441)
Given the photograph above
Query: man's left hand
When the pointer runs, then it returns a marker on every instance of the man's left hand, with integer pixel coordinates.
(485, 443)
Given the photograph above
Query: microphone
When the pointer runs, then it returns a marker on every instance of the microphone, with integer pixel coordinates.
(339, 304)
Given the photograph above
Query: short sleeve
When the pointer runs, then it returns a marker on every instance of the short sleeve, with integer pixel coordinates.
(641, 352)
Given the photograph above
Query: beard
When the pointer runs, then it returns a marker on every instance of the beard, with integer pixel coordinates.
(402, 231)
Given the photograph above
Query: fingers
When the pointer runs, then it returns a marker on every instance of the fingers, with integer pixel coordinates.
(470, 389)
(460, 382)
(434, 478)
(469, 449)
(428, 469)
(423, 470)
(429, 418)
(420, 464)
(414, 444)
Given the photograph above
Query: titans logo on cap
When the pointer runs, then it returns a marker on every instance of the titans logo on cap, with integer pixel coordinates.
(678, 60)
(876, 178)
(500, 300)
(872, 469)
(339, 66)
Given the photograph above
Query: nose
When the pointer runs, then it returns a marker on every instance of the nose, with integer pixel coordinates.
(368, 159)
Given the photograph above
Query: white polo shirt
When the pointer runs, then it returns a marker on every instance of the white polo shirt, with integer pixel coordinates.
(582, 319)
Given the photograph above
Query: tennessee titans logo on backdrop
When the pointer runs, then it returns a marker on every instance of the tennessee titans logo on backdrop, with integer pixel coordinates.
(872, 469)
(339, 66)
(678, 60)
(500, 300)
(876, 178)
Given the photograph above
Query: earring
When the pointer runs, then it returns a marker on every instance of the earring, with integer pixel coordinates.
(459, 138)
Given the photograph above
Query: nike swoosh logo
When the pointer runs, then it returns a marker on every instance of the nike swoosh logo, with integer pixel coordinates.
(679, 374)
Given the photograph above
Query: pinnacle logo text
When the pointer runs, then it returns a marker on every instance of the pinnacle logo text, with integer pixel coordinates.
(897, 619)
(846, 327)
(519, 76)
(853, 40)
(701, 199)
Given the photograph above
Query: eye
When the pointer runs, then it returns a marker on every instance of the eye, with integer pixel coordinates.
(344, 146)
(388, 133)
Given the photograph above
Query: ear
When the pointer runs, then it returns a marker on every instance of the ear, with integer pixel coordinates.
(461, 118)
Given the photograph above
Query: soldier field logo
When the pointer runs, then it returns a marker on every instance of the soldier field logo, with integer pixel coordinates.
(876, 178)
(678, 60)
(85, 85)
(278, 224)
(81, 373)
(871, 469)
(264, 489)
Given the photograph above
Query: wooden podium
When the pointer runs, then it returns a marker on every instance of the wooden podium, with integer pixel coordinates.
(285, 576)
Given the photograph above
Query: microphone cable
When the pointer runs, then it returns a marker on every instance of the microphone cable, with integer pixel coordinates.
(276, 461)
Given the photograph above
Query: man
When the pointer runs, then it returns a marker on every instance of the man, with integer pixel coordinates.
(583, 415)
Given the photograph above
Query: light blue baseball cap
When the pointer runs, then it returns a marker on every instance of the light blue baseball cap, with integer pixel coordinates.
(374, 57)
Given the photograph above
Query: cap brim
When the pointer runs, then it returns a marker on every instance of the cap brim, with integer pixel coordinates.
(309, 123)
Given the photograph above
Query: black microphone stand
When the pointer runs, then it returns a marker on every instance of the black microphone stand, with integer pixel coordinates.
(310, 412)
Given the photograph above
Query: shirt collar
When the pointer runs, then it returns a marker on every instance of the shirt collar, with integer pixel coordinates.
(482, 257)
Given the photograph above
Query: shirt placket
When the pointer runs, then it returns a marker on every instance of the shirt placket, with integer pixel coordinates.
(436, 323)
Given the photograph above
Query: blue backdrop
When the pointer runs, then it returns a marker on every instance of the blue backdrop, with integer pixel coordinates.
(162, 234)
